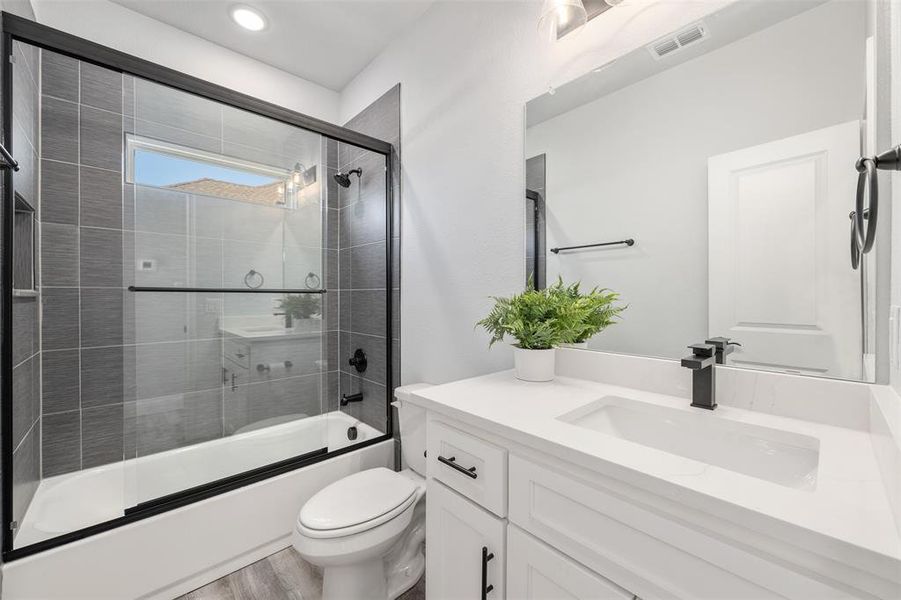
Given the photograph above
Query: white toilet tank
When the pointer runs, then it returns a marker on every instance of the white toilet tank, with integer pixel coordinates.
(412, 427)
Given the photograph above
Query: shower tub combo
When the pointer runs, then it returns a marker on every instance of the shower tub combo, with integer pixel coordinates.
(176, 343)
(80, 499)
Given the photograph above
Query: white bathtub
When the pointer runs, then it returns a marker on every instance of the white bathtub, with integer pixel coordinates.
(72, 501)
(170, 554)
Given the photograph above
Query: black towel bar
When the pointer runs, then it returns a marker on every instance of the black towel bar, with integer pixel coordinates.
(628, 242)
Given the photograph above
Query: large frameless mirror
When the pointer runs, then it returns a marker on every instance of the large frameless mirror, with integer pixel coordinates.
(708, 179)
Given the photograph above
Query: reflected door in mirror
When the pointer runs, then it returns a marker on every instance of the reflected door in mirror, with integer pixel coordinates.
(780, 281)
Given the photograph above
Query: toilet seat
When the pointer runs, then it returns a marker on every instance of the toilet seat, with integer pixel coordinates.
(357, 503)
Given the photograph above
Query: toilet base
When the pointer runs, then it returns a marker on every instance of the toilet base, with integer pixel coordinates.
(367, 580)
(402, 581)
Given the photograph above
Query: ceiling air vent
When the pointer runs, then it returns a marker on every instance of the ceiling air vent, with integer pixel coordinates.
(677, 41)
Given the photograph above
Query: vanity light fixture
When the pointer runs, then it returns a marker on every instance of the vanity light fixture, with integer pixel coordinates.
(248, 18)
(559, 17)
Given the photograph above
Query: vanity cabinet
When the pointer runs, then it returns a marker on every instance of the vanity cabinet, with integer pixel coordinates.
(550, 529)
(535, 571)
(465, 550)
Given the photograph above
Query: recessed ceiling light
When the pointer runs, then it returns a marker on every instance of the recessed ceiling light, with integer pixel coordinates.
(248, 18)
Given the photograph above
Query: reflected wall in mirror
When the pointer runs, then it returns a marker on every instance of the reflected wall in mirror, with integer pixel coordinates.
(727, 152)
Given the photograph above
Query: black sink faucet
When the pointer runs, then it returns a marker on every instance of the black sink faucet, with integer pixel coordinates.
(289, 318)
(703, 385)
(724, 347)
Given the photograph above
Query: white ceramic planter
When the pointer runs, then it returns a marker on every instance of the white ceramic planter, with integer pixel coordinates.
(533, 365)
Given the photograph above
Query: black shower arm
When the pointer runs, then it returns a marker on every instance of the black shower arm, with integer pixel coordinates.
(9, 161)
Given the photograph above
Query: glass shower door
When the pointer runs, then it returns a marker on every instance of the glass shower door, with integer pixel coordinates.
(226, 292)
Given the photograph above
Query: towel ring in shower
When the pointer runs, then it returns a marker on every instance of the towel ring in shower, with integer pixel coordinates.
(253, 279)
(312, 281)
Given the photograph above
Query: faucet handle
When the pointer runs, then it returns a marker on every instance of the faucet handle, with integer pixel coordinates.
(721, 343)
(703, 350)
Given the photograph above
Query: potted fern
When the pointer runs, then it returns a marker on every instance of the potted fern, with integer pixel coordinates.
(539, 320)
(300, 310)
(597, 307)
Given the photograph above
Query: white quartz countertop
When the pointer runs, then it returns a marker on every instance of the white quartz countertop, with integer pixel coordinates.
(846, 517)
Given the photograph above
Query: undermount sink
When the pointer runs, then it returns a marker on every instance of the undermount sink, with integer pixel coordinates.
(782, 457)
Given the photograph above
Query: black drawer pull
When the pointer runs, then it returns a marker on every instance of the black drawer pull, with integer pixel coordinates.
(470, 472)
(485, 558)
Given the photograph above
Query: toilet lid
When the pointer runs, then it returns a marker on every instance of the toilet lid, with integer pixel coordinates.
(356, 499)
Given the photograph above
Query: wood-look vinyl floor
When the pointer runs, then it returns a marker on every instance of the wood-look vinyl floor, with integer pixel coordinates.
(282, 576)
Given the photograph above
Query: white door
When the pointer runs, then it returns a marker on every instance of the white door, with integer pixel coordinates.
(780, 278)
(535, 571)
(457, 530)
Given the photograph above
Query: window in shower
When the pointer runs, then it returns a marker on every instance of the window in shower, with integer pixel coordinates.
(154, 163)
(194, 327)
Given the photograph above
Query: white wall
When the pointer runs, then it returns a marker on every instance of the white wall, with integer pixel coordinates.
(117, 27)
(634, 164)
(22, 8)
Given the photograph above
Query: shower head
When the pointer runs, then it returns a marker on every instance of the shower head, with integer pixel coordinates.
(343, 179)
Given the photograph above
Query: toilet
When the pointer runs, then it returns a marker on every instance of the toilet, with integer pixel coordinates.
(367, 530)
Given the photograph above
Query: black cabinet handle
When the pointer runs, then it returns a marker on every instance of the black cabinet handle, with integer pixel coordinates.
(470, 472)
(485, 558)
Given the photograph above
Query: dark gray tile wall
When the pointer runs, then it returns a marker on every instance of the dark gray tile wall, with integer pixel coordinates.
(81, 266)
(26, 374)
(362, 270)
(149, 368)
(118, 386)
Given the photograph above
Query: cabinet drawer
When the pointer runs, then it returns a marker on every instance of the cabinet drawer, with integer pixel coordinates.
(535, 571)
(465, 548)
(642, 550)
(475, 468)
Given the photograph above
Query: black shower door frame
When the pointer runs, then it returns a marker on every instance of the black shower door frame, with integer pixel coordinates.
(16, 28)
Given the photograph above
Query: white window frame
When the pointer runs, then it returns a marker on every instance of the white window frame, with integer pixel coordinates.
(133, 143)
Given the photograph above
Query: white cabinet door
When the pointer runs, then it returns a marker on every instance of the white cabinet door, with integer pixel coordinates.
(464, 548)
(780, 275)
(535, 571)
